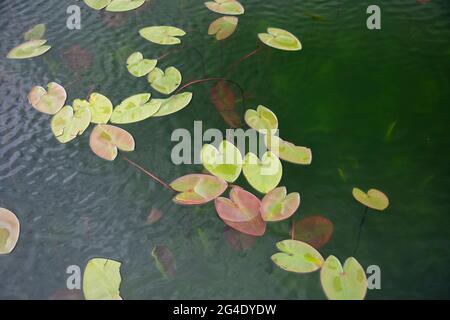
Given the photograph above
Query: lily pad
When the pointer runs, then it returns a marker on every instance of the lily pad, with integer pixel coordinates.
(135, 108)
(9, 231)
(198, 188)
(314, 230)
(173, 104)
(374, 199)
(255, 227)
(101, 108)
(241, 207)
(223, 27)
(138, 66)
(263, 175)
(165, 35)
(106, 140)
(297, 256)
(166, 81)
(97, 4)
(239, 241)
(262, 119)
(164, 261)
(280, 39)
(154, 216)
(288, 151)
(225, 163)
(277, 205)
(348, 283)
(70, 122)
(35, 33)
(124, 5)
(230, 7)
(29, 49)
(48, 101)
(101, 280)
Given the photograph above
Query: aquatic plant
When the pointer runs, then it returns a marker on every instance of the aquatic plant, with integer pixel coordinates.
(101, 279)
(280, 39)
(314, 230)
(224, 27)
(231, 7)
(9, 231)
(164, 35)
(114, 5)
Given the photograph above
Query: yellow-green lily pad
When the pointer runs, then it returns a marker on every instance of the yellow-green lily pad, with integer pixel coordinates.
(348, 283)
(297, 256)
(101, 108)
(165, 35)
(35, 33)
(198, 188)
(374, 199)
(97, 4)
(70, 122)
(225, 163)
(173, 104)
(106, 140)
(9, 231)
(263, 175)
(230, 7)
(223, 27)
(29, 49)
(138, 66)
(48, 101)
(280, 39)
(241, 207)
(135, 108)
(262, 119)
(277, 205)
(166, 81)
(101, 279)
(124, 5)
(288, 151)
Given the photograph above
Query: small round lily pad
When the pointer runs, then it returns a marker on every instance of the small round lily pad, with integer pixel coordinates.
(225, 162)
(374, 199)
(277, 205)
(173, 104)
(223, 27)
(280, 39)
(138, 66)
(106, 140)
(314, 230)
(124, 5)
(70, 122)
(135, 108)
(197, 188)
(101, 108)
(297, 256)
(241, 207)
(97, 4)
(288, 151)
(9, 231)
(48, 101)
(166, 81)
(101, 279)
(165, 35)
(230, 7)
(262, 119)
(29, 49)
(265, 174)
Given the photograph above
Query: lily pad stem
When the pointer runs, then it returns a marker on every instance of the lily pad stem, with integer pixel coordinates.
(245, 57)
(363, 219)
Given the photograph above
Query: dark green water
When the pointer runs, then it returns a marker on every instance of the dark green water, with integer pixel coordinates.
(339, 96)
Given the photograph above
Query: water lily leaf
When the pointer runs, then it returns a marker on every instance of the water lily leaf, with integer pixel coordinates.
(70, 122)
(348, 283)
(173, 104)
(223, 27)
(239, 241)
(262, 119)
(97, 4)
(9, 231)
(101, 280)
(154, 216)
(164, 35)
(138, 66)
(223, 97)
(277, 205)
(50, 101)
(35, 33)
(288, 151)
(106, 139)
(241, 207)
(164, 261)
(374, 199)
(166, 81)
(255, 227)
(135, 108)
(280, 39)
(198, 188)
(314, 230)
(101, 108)
(297, 256)
(225, 163)
(231, 7)
(262, 175)
(124, 5)
(29, 49)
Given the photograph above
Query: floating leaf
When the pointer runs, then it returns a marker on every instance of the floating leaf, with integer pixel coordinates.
(280, 39)
(164, 261)
(173, 104)
(262, 175)
(288, 151)
(35, 33)
(277, 205)
(106, 139)
(374, 199)
(124, 5)
(197, 188)
(231, 7)
(50, 101)
(138, 66)
(9, 231)
(164, 35)
(225, 163)
(314, 230)
(348, 283)
(223, 27)
(239, 241)
(166, 81)
(78, 58)
(135, 108)
(255, 227)
(70, 122)
(154, 216)
(101, 280)
(297, 256)
(262, 119)
(101, 108)
(241, 207)
(223, 97)
(29, 49)
(97, 4)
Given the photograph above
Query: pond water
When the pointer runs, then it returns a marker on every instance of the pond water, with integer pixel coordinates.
(372, 105)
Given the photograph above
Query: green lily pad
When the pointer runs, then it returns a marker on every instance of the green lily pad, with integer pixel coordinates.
(138, 66)
(106, 140)
(35, 33)
(225, 163)
(101, 279)
(231, 7)
(241, 207)
(135, 108)
(173, 104)
(164, 261)
(374, 199)
(262, 175)
(97, 4)
(124, 5)
(262, 119)
(223, 27)
(348, 283)
(280, 39)
(288, 151)
(166, 81)
(101, 108)
(70, 122)
(50, 101)
(277, 205)
(9, 231)
(297, 256)
(165, 35)
(29, 49)
(197, 188)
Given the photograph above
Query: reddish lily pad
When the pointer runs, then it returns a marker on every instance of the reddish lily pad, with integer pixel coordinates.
(223, 27)
(9, 231)
(239, 241)
(255, 227)
(198, 188)
(241, 207)
(277, 205)
(315, 230)
(106, 140)
(48, 101)
(154, 216)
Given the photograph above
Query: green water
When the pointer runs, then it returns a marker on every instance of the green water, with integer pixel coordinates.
(372, 106)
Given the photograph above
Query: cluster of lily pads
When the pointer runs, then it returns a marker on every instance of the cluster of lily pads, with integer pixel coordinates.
(225, 26)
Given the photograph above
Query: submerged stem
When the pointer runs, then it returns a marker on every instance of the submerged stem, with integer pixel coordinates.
(363, 219)
(245, 57)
